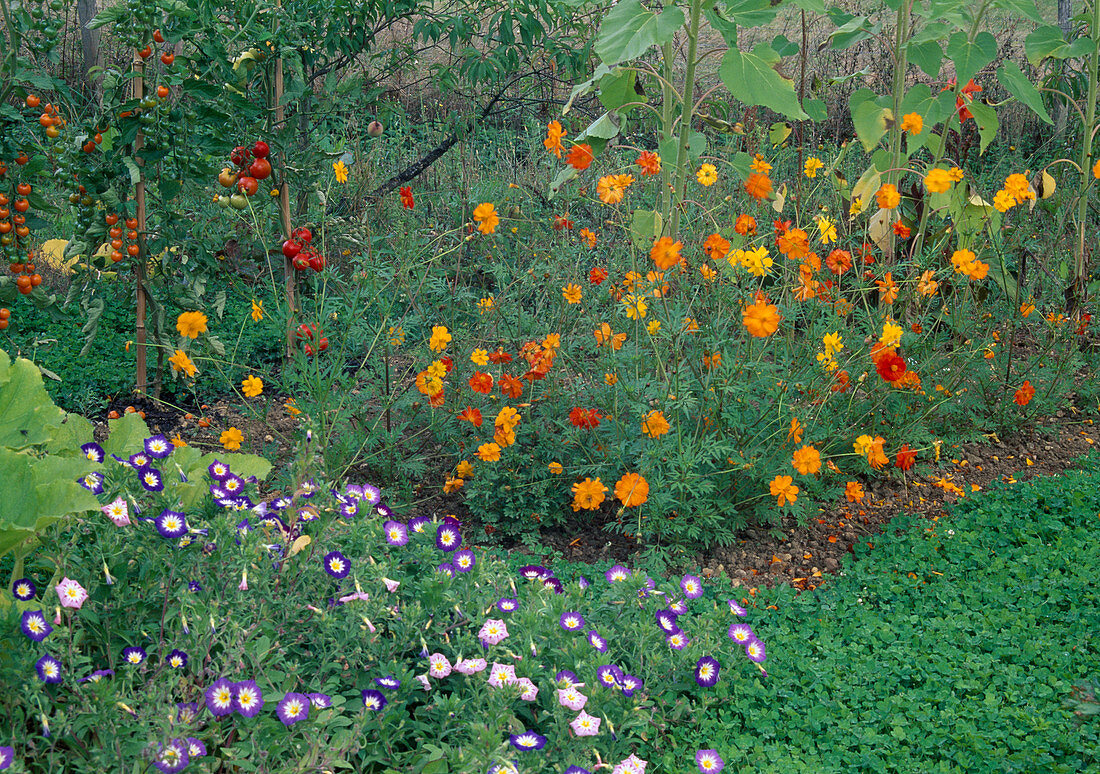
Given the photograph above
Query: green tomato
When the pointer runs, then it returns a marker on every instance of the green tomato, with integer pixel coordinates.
(238, 201)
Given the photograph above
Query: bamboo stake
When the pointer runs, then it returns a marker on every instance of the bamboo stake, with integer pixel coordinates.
(142, 380)
(289, 272)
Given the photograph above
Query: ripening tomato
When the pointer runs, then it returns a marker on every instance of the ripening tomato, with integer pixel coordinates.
(23, 189)
(23, 284)
(241, 156)
(303, 235)
(227, 177)
(116, 256)
(168, 57)
(260, 150)
(5, 213)
(15, 268)
(53, 132)
(301, 262)
(146, 52)
(22, 232)
(317, 262)
(260, 169)
(163, 91)
(115, 232)
(88, 147)
(111, 219)
(22, 159)
(36, 280)
(133, 250)
(307, 331)
(29, 268)
(116, 244)
(45, 120)
(5, 313)
(21, 205)
(5, 227)
(291, 249)
(3, 324)
(157, 36)
(131, 223)
(33, 101)
(248, 185)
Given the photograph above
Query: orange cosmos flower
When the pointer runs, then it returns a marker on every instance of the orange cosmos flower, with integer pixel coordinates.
(510, 387)
(758, 186)
(875, 455)
(488, 452)
(588, 494)
(902, 230)
(794, 434)
(745, 225)
(716, 246)
(580, 157)
(783, 488)
(589, 237)
(761, 318)
(937, 180)
(571, 293)
(906, 457)
(471, 415)
(612, 188)
(890, 366)
(452, 484)
(632, 490)
(654, 424)
(1024, 394)
(887, 288)
(554, 133)
(807, 461)
(435, 400)
(888, 197)
(597, 275)
(650, 163)
(794, 243)
(504, 437)
(854, 492)
(665, 253)
(485, 215)
(481, 382)
(927, 286)
(838, 261)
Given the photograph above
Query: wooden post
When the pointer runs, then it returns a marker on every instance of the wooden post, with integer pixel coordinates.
(289, 272)
(142, 380)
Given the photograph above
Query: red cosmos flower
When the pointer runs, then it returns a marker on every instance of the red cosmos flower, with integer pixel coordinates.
(902, 230)
(890, 367)
(471, 415)
(481, 382)
(510, 386)
(562, 222)
(500, 356)
(866, 255)
(597, 275)
(580, 157)
(1025, 394)
(964, 98)
(906, 457)
(447, 363)
(407, 197)
(781, 226)
(585, 418)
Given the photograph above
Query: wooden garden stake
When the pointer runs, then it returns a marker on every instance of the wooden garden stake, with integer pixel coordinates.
(289, 272)
(142, 380)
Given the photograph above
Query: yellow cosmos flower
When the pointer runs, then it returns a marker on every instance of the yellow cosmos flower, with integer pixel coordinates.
(440, 338)
(571, 293)
(891, 334)
(257, 310)
(812, 166)
(191, 324)
(707, 175)
(252, 386)
(340, 171)
(181, 362)
(480, 357)
(231, 439)
(937, 180)
(912, 123)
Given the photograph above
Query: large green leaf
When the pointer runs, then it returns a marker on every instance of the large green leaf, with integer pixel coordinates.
(27, 415)
(750, 13)
(630, 29)
(1047, 41)
(970, 56)
(1012, 78)
(645, 226)
(617, 89)
(127, 434)
(752, 78)
(37, 493)
(870, 119)
(928, 56)
(986, 119)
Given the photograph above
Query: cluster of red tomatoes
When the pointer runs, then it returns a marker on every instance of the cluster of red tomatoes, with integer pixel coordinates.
(252, 167)
(115, 231)
(314, 338)
(14, 237)
(297, 250)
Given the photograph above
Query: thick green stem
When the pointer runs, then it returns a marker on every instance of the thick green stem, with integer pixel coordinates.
(667, 95)
(686, 113)
(901, 65)
(1080, 262)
